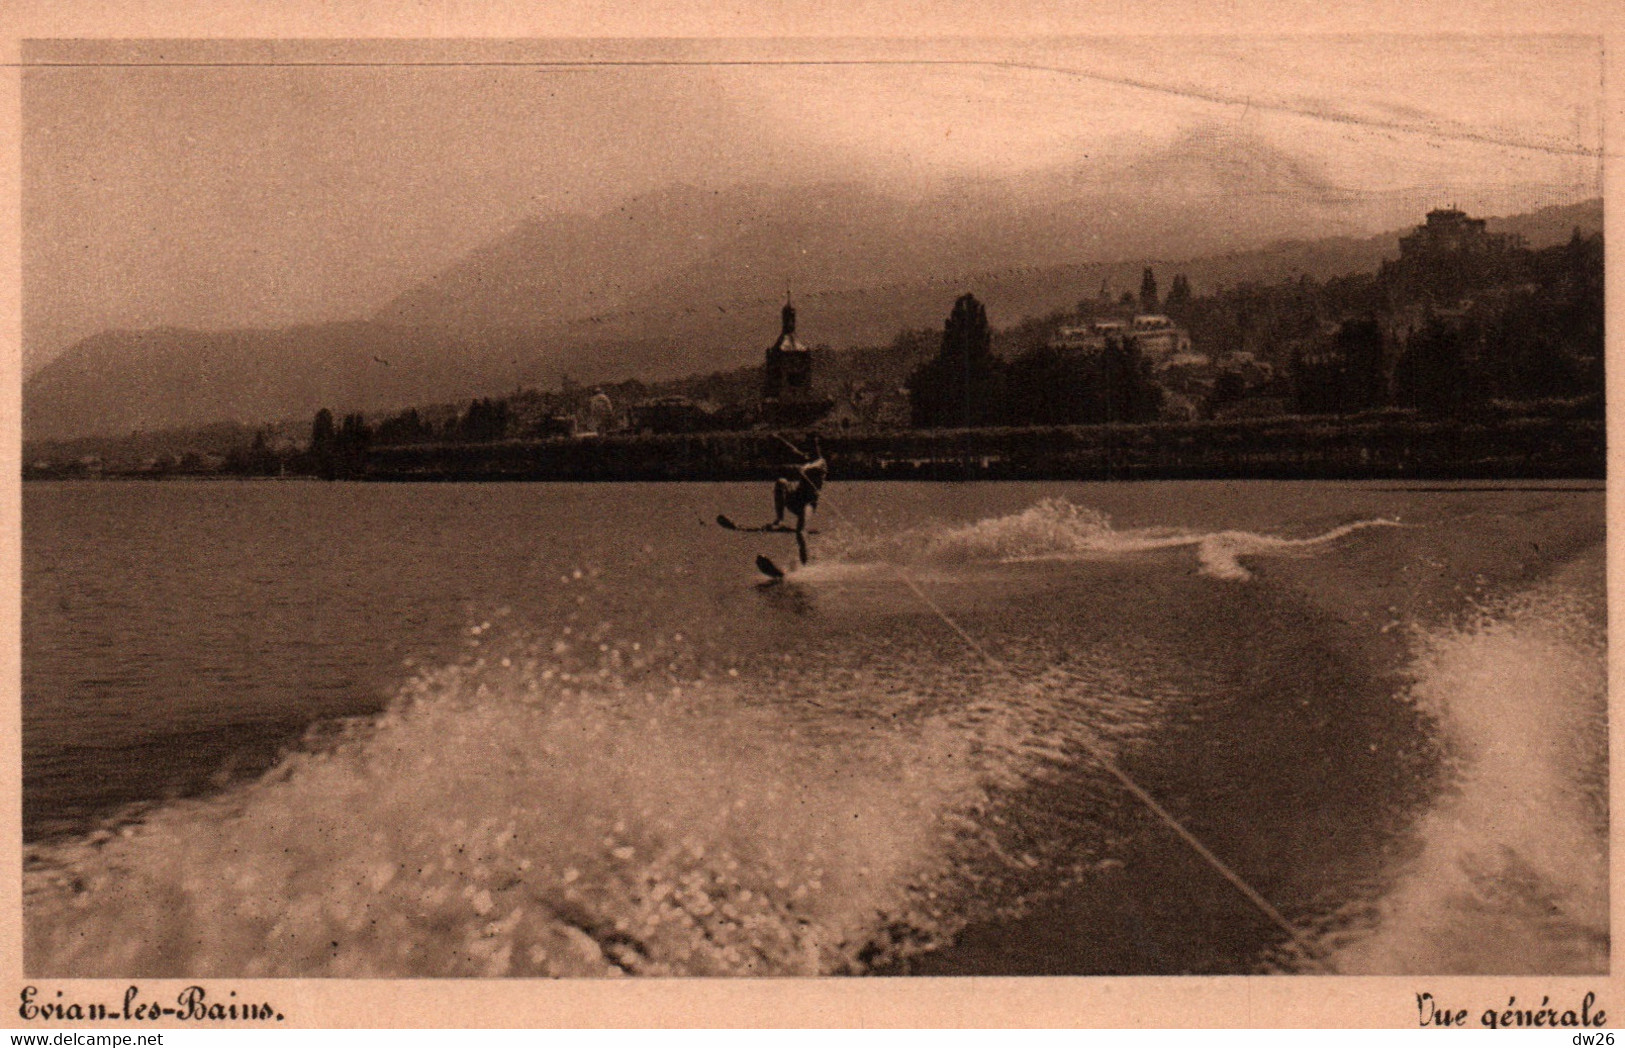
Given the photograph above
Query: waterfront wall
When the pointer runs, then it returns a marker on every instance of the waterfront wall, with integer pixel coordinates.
(1383, 445)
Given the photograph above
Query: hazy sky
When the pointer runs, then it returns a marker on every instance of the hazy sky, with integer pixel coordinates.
(264, 184)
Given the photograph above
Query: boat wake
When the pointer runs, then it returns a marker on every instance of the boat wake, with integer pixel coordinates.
(1056, 529)
(1508, 873)
(585, 804)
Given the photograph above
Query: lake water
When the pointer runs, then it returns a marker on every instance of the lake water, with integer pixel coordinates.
(290, 728)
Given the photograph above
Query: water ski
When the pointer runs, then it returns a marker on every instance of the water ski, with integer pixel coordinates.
(768, 568)
(728, 522)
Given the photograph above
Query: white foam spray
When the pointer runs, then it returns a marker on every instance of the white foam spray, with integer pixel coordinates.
(1509, 869)
(1057, 529)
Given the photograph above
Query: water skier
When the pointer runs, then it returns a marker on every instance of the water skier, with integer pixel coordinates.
(797, 491)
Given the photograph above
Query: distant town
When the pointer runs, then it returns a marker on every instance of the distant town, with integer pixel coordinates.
(1470, 354)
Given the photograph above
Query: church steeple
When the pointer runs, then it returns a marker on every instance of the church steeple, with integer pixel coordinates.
(787, 388)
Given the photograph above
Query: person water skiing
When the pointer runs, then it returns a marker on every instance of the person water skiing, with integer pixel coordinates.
(797, 491)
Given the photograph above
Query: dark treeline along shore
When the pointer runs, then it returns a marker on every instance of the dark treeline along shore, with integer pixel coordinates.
(1471, 355)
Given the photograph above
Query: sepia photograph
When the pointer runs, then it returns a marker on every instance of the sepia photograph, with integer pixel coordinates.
(1069, 505)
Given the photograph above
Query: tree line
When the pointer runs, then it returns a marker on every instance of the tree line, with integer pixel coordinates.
(966, 384)
(1438, 336)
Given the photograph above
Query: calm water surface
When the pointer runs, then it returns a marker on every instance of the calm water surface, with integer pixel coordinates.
(303, 728)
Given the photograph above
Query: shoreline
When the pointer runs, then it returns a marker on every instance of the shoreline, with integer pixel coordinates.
(1387, 445)
(1392, 446)
(1500, 442)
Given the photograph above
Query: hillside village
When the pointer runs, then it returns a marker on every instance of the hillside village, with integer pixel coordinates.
(1462, 318)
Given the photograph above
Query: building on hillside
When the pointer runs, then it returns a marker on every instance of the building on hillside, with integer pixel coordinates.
(787, 385)
(1090, 337)
(1448, 258)
(1157, 337)
(868, 404)
(1448, 231)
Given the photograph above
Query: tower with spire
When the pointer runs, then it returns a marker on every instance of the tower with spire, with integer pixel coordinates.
(787, 392)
